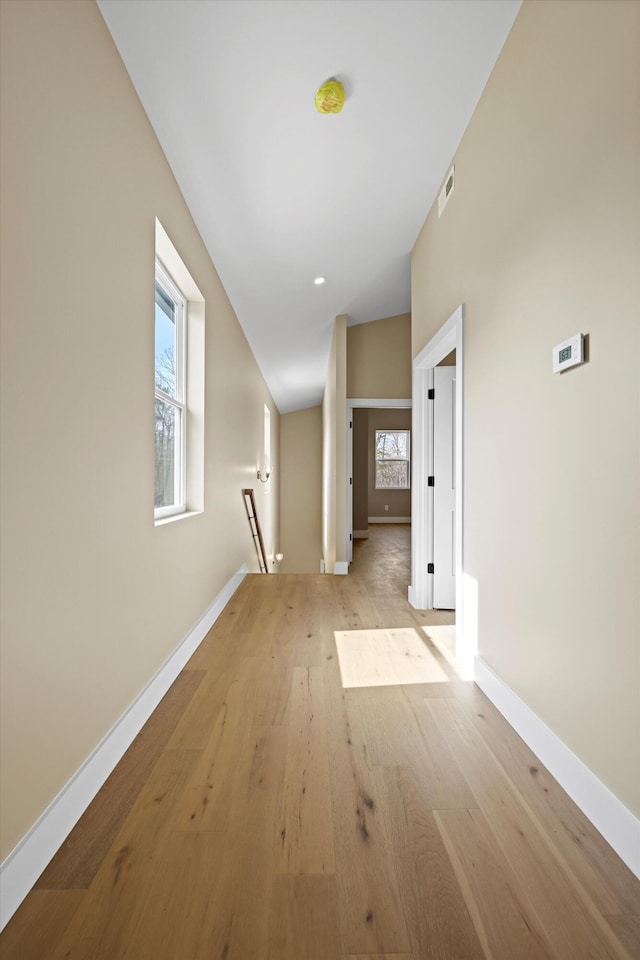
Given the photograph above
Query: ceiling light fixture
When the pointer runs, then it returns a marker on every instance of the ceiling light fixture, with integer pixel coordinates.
(319, 281)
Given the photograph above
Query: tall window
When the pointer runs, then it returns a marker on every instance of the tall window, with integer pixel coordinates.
(170, 393)
(267, 439)
(393, 462)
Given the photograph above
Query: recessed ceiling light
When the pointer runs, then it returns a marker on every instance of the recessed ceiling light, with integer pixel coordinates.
(318, 281)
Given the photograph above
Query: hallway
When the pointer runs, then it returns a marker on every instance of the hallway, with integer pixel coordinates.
(269, 810)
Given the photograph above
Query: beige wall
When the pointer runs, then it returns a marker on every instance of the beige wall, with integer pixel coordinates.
(398, 501)
(449, 360)
(334, 450)
(94, 596)
(329, 462)
(341, 439)
(379, 358)
(360, 469)
(301, 490)
(540, 241)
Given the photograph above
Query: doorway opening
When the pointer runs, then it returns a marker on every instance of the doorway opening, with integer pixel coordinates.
(369, 502)
(426, 550)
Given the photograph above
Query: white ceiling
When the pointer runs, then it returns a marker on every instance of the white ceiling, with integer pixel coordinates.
(282, 194)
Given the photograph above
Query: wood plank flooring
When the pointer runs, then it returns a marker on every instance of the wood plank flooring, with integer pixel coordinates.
(269, 810)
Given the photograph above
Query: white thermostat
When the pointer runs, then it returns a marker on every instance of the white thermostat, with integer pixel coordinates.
(569, 353)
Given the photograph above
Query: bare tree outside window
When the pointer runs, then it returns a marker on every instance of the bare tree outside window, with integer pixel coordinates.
(393, 462)
(165, 434)
(169, 399)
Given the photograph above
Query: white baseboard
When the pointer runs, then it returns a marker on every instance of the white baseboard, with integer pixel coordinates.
(389, 519)
(360, 534)
(619, 827)
(341, 567)
(25, 863)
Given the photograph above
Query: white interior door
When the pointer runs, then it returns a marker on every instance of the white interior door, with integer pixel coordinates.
(444, 493)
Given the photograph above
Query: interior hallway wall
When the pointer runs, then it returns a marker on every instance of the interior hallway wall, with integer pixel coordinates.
(334, 452)
(95, 597)
(360, 471)
(540, 241)
(379, 358)
(301, 490)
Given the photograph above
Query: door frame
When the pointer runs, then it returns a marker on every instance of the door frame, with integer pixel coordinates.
(443, 469)
(449, 337)
(355, 403)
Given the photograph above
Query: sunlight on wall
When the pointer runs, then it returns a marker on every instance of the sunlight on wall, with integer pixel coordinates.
(467, 637)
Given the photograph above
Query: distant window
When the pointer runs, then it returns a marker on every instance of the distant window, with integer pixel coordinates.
(267, 439)
(393, 462)
(170, 393)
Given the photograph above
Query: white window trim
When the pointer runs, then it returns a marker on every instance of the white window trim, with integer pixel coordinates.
(406, 459)
(179, 506)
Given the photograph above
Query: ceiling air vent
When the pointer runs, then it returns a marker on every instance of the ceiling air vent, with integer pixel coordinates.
(446, 191)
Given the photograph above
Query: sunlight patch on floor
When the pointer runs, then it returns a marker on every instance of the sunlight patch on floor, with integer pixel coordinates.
(444, 638)
(383, 658)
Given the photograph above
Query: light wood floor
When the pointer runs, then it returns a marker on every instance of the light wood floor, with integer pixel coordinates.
(267, 812)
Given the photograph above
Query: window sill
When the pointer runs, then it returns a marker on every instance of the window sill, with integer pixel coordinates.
(161, 521)
(382, 489)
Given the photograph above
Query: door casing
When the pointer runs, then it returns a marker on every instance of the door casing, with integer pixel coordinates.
(449, 337)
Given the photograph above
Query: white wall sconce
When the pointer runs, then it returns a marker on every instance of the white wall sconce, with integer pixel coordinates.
(263, 478)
